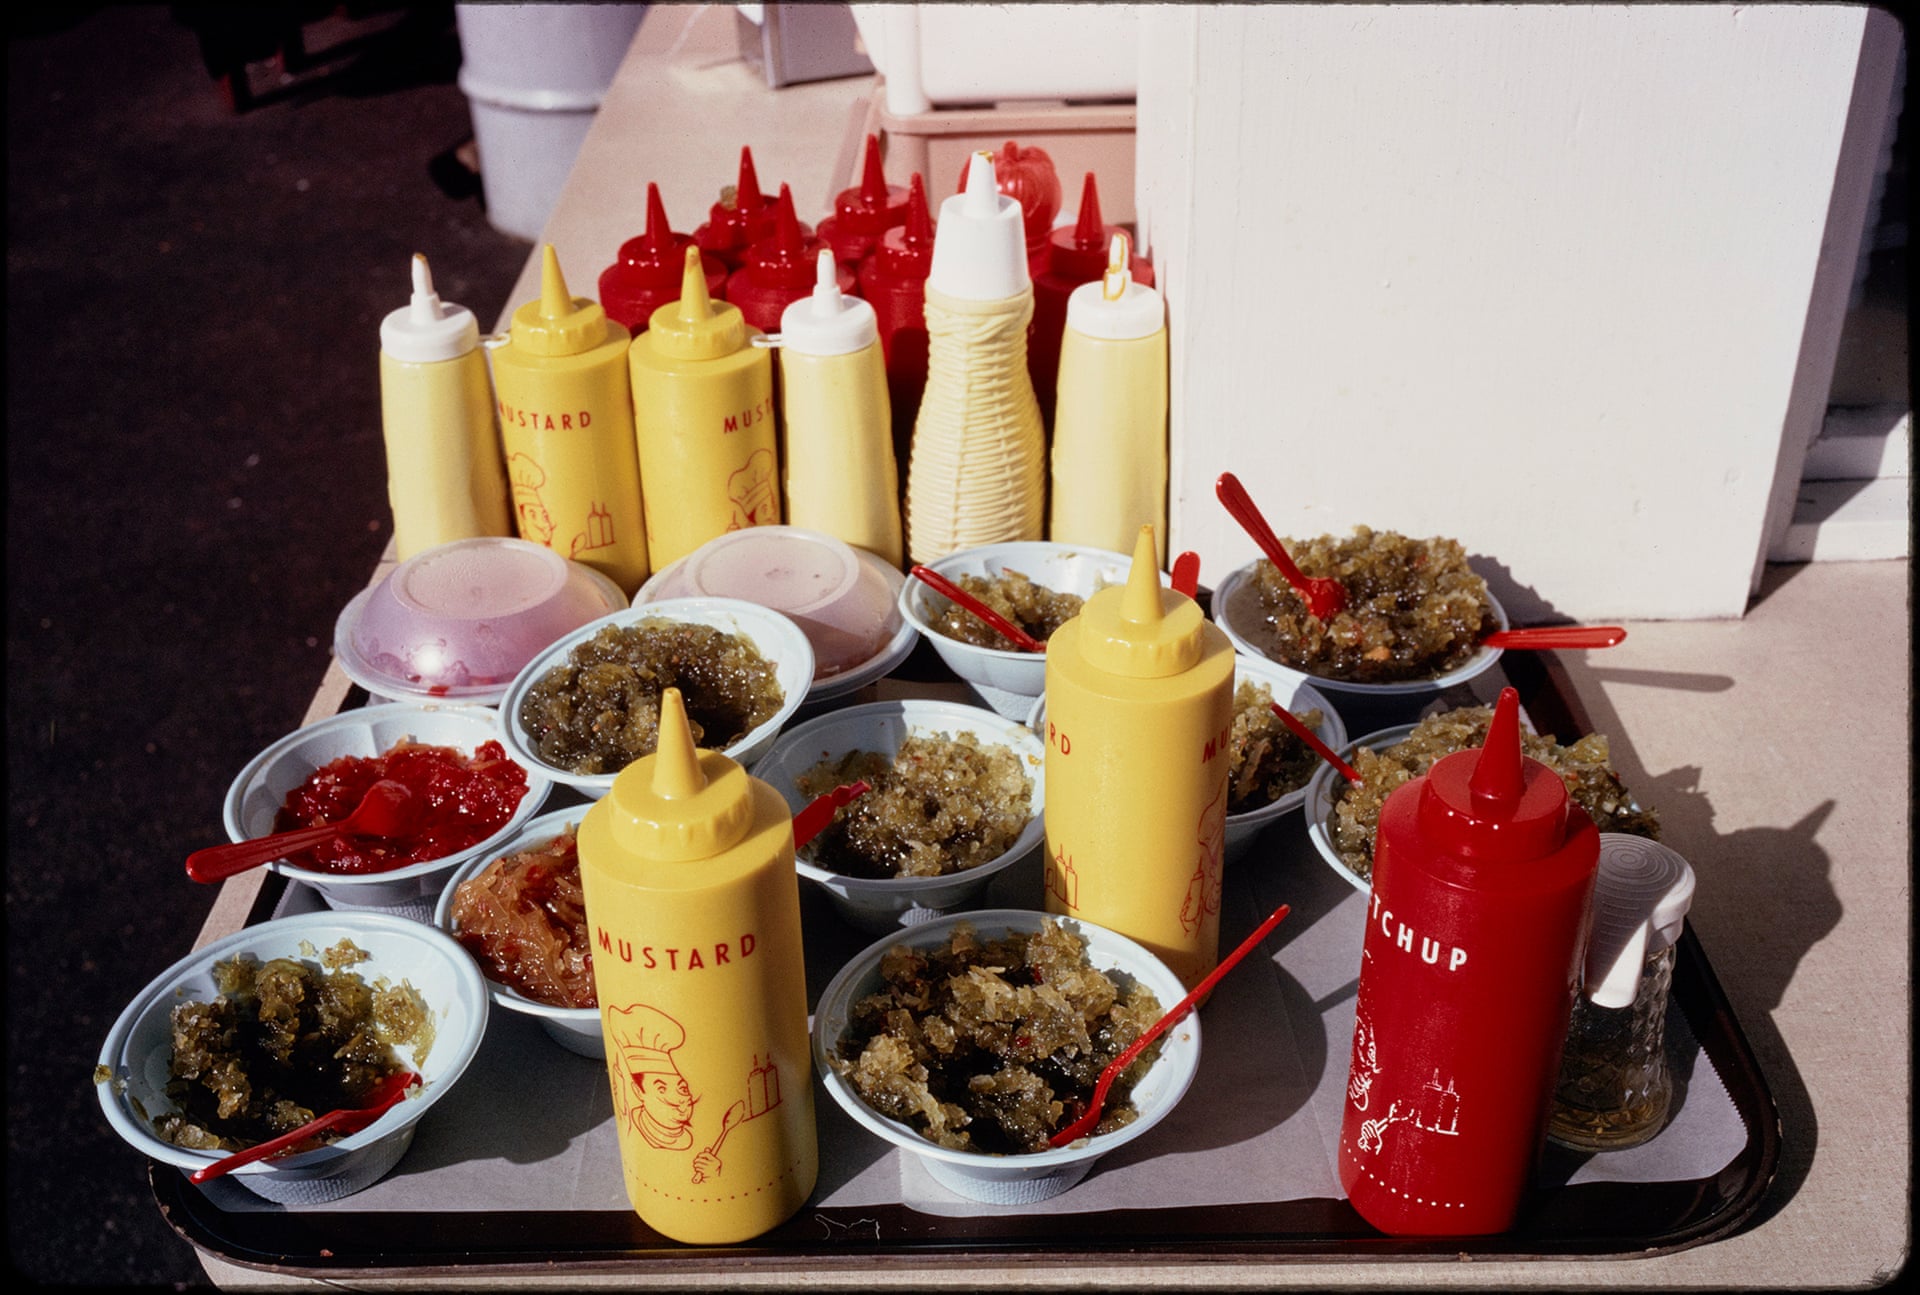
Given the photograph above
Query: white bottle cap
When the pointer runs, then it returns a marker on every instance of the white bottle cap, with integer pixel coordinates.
(427, 329)
(1115, 307)
(828, 322)
(1640, 902)
(980, 244)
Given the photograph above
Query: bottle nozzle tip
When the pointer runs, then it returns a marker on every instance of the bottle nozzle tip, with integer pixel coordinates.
(677, 773)
(983, 191)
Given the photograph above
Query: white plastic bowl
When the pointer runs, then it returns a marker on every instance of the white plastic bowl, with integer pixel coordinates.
(1291, 690)
(1324, 790)
(577, 1029)
(1008, 679)
(777, 638)
(1014, 1179)
(887, 903)
(257, 794)
(846, 600)
(138, 1049)
(457, 621)
(1480, 662)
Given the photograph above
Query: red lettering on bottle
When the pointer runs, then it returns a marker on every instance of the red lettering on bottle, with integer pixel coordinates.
(720, 954)
(606, 941)
(746, 945)
(673, 959)
(566, 422)
(647, 953)
(695, 962)
(626, 951)
(731, 425)
(586, 420)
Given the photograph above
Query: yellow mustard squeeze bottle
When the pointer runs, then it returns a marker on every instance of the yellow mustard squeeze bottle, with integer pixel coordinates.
(446, 480)
(836, 421)
(1139, 717)
(977, 471)
(693, 907)
(566, 419)
(1110, 414)
(703, 411)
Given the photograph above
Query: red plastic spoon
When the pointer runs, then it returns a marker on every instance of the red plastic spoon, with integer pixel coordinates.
(1186, 573)
(1557, 636)
(1081, 1127)
(385, 1096)
(388, 809)
(1324, 597)
(813, 820)
(941, 585)
(1312, 739)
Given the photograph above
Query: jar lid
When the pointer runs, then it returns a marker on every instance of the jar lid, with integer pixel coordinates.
(1640, 903)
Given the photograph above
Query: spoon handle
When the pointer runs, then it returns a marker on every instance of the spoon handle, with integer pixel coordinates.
(1243, 510)
(1086, 1123)
(941, 585)
(1312, 739)
(1557, 636)
(346, 1120)
(218, 862)
(813, 820)
(1186, 573)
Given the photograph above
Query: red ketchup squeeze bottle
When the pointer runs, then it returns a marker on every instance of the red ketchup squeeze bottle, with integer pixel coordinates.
(863, 213)
(1483, 879)
(647, 273)
(741, 218)
(780, 270)
(1078, 255)
(894, 282)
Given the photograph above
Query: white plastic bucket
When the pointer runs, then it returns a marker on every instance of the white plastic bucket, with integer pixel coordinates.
(534, 75)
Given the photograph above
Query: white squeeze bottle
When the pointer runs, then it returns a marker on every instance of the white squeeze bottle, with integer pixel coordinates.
(977, 470)
(837, 464)
(1110, 417)
(446, 476)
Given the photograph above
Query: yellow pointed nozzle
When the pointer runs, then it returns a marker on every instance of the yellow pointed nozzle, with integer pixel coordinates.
(696, 327)
(1141, 604)
(1140, 629)
(676, 773)
(696, 307)
(558, 323)
(555, 301)
(680, 804)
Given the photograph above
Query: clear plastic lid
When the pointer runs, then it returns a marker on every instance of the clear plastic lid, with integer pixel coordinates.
(459, 620)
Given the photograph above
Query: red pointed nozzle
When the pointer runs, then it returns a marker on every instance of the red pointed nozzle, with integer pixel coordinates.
(873, 179)
(747, 197)
(659, 235)
(907, 250)
(1090, 232)
(1499, 775)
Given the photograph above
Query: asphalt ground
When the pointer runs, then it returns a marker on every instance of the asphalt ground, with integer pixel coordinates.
(196, 487)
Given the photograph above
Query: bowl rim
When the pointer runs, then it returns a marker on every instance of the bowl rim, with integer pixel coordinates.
(791, 648)
(1479, 663)
(1019, 736)
(914, 592)
(358, 669)
(1320, 799)
(155, 995)
(991, 921)
(539, 787)
(535, 832)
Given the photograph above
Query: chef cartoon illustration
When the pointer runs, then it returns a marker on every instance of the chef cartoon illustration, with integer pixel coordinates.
(656, 1103)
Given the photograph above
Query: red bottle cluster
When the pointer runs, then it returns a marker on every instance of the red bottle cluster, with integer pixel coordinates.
(780, 269)
(649, 270)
